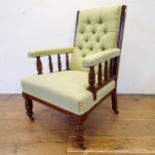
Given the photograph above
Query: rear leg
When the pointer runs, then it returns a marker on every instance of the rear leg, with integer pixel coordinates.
(114, 101)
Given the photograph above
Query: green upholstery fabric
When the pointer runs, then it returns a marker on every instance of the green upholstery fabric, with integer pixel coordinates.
(65, 89)
(96, 41)
(97, 31)
(100, 57)
(46, 52)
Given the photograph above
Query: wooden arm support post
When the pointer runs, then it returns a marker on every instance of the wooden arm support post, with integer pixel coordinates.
(110, 74)
(40, 67)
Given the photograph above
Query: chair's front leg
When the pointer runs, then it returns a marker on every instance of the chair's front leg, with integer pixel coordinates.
(29, 107)
(79, 130)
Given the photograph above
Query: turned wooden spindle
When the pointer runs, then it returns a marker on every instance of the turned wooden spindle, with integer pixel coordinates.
(91, 78)
(59, 62)
(116, 64)
(100, 74)
(106, 70)
(39, 66)
(111, 67)
(67, 62)
(50, 64)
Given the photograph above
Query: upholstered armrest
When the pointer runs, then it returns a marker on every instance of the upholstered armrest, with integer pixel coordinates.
(47, 52)
(100, 57)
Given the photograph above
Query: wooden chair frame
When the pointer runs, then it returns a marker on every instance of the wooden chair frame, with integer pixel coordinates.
(110, 73)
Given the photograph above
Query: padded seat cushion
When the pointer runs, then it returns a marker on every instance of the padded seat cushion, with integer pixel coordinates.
(67, 90)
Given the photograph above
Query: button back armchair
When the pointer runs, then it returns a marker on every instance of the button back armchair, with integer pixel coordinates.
(91, 75)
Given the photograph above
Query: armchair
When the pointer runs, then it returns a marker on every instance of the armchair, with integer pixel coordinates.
(90, 77)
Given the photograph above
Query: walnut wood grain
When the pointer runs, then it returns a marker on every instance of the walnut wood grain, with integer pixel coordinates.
(111, 67)
(39, 66)
(106, 70)
(29, 107)
(67, 61)
(100, 74)
(91, 78)
(131, 127)
(50, 64)
(79, 130)
(59, 62)
(114, 101)
(120, 37)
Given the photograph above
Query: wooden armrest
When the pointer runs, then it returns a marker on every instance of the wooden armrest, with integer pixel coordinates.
(49, 52)
(110, 59)
(46, 52)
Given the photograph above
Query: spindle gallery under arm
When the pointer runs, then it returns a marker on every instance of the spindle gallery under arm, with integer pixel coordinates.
(91, 75)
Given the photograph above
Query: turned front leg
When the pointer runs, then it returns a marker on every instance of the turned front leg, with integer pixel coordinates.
(79, 131)
(29, 107)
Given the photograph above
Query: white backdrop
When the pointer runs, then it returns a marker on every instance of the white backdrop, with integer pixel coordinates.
(35, 24)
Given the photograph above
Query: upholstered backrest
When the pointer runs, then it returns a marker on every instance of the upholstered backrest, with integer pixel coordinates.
(97, 30)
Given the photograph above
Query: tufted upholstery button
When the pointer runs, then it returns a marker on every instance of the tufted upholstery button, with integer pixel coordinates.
(88, 21)
(86, 39)
(93, 31)
(105, 31)
(102, 48)
(80, 47)
(98, 39)
(83, 55)
(91, 48)
(82, 31)
(100, 21)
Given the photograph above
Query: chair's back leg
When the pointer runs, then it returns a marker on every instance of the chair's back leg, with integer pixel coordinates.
(29, 107)
(114, 101)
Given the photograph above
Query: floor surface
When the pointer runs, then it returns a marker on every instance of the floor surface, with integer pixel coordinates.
(130, 132)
